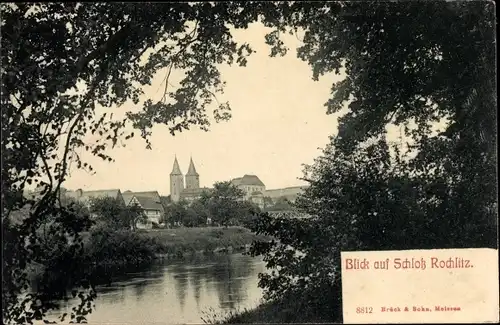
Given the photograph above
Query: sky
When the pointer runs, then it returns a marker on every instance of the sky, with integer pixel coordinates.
(278, 123)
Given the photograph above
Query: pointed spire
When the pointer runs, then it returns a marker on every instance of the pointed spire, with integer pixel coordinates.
(192, 169)
(176, 170)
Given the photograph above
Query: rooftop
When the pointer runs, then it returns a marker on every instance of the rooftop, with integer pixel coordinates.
(95, 194)
(300, 187)
(192, 169)
(149, 203)
(176, 170)
(248, 180)
(154, 195)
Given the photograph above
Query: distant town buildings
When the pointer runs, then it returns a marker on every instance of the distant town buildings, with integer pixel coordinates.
(150, 202)
(251, 185)
(84, 197)
(187, 188)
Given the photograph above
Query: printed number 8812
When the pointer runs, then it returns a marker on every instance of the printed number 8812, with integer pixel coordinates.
(364, 310)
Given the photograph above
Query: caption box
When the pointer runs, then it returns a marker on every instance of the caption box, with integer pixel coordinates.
(421, 286)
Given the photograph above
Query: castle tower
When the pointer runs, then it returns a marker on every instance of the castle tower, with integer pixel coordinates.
(176, 182)
(192, 177)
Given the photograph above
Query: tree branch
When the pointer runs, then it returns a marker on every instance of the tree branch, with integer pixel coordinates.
(103, 48)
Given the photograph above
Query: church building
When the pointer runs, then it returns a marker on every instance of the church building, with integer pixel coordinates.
(188, 188)
(192, 190)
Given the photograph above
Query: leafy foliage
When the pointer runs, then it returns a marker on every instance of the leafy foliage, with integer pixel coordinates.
(109, 210)
(281, 204)
(197, 215)
(224, 202)
(115, 213)
(62, 61)
(110, 249)
(52, 246)
(224, 205)
(409, 65)
(175, 212)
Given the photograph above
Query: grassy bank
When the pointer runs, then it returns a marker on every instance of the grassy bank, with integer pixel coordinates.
(265, 313)
(270, 312)
(184, 241)
(191, 240)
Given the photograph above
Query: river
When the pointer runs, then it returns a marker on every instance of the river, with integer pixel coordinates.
(175, 292)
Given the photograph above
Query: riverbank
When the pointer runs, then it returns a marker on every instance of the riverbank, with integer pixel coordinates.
(185, 241)
(271, 312)
(266, 313)
(294, 309)
(109, 253)
(126, 248)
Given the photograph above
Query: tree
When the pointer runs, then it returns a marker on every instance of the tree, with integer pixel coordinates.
(165, 201)
(54, 245)
(282, 204)
(132, 215)
(192, 214)
(408, 65)
(110, 211)
(176, 212)
(194, 218)
(224, 202)
(61, 61)
(247, 214)
(226, 205)
(268, 202)
(200, 212)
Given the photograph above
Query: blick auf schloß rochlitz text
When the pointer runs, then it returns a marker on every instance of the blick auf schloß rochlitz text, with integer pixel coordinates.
(407, 263)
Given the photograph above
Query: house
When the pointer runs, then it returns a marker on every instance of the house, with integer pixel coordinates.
(252, 187)
(85, 196)
(152, 209)
(249, 184)
(150, 202)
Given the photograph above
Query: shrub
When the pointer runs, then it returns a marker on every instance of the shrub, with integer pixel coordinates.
(110, 250)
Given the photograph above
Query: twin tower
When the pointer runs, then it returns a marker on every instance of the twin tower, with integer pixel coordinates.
(177, 180)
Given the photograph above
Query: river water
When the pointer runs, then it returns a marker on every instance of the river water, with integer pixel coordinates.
(179, 292)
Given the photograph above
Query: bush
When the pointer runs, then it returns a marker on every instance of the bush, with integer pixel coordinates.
(109, 251)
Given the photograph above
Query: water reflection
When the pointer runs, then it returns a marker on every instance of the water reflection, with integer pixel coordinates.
(181, 284)
(196, 284)
(139, 290)
(179, 292)
(227, 277)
